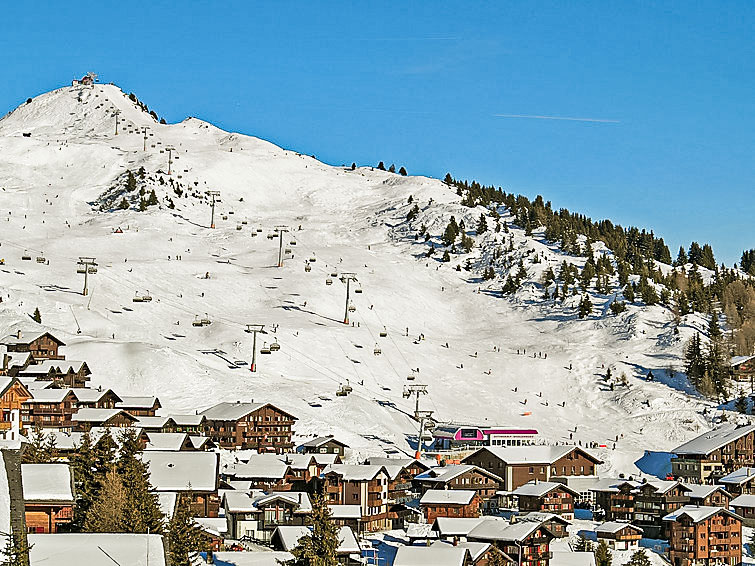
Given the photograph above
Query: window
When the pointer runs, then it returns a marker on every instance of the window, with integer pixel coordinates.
(532, 470)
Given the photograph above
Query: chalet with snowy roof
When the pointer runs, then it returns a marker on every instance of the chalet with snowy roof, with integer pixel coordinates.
(87, 398)
(655, 499)
(13, 396)
(462, 476)
(619, 535)
(455, 436)
(445, 555)
(156, 424)
(85, 419)
(517, 465)
(255, 516)
(64, 373)
(322, 461)
(49, 499)
(51, 408)
(480, 553)
(744, 506)
(615, 496)
(259, 426)
(193, 424)
(366, 486)
(168, 441)
(348, 551)
(140, 406)
(15, 362)
(527, 543)
(96, 549)
(268, 473)
(347, 516)
(190, 473)
(323, 445)
(740, 481)
(202, 443)
(42, 346)
(715, 454)
(704, 536)
(450, 503)
(556, 524)
(401, 474)
(213, 532)
(742, 368)
(569, 558)
(708, 495)
(547, 497)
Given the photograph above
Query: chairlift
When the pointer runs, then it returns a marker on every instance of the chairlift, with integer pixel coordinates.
(313, 259)
(292, 242)
(205, 321)
(81, 268)
(384, 333)
(146, 298)
(352, 308)
(426, 438)
(334, 274)
(342, 391)
(271, 236)
(26, 256)
(264, 349)
(287, 251)
(411, 377)
(307, 268)
(225, 217)
(358, 290)
(197, 321)
(377, 351)
(328, 281)
(92, 269)
(238, 226)
(347, 388)
(274, 347)
(259, 230)
(244, 222)
(41, 259)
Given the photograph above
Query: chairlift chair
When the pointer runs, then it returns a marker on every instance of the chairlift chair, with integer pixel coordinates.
(328, 281)
(92, 269)
(383, 333)
(292, 242)
(341, 392)
(224, 217)
(313, 259)
(377, 351)
(41, 259)
(287, 251)
(334, 274)
(197, 321)
(205, 321)
(352, 308)
(26, 256)
(307, 268)
(347, 388)
(264, 349)
(411, 377)
(358, 290)
(274, 347)
(81, 268)
(238, 226)
(270, 236)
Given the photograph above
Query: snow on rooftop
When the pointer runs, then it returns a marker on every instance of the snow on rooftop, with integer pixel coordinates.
(745, 500)
(612, 527)
(230, 411)
(696, 512)
(569, 558)
(440, 555)
(714, 439)
(537, 454)
(95, 549)
(169, 441)
(289, 537)
(246, 558)
(182, 471)
(131, 402)
(354, 472)
(344, 512)
(47, 482)
(739, 476)
(447, 497)
(540, 488)
(458, 526)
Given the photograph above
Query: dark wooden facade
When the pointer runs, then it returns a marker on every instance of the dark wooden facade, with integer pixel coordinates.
(712, 541)
(266, 429)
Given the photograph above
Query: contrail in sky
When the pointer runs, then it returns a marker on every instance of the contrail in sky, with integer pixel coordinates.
(568, 118)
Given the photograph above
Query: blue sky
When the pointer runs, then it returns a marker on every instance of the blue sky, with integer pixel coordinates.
(427, 84)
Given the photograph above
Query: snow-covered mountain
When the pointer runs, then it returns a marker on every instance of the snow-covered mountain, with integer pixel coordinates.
(486, 359)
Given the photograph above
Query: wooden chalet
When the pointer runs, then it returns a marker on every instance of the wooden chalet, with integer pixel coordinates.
(744, 506)
(194, 424)
(704, 536)
(48, 491)
(517, 465)
(526, 542)
(547, 497)
(714, 454)
(87, 398)
(742, 368)
(323, 445)
(254, 517)
(86, 419)
(51, 408)
(366, 486)
(556, 524)
(708, 495)
(189, 473)
(259, 426)
(740, 482)
(13, 397)
(42, 346)
(458, 503)
(446, 554)
(156, 424)
(655, 499)
(463, 476)
(64, 373)
(619, 536)
(140, 406)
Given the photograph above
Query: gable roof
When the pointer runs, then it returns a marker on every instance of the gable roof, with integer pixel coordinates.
(153, 422)
(234, 411)
(737, 360)
(745, 500)
(96, 549)
(170, 441)
(613, 527)
(320, 440)
(433, 555)
(131, 402)
(342, 512)
(698, 513)
(289, 538)
(354, 472)
(457, 526)
(520, 455)
(403, 462)
(662, 486)
(444, 474)
(713, 440)
(182, 471)
(739, 476)
(253, 558)
(261, 469)
(504, 530)
(188, 420)
(543, 517)
(535, 488)
(27, 337)
(447, 497)
(88, 415)
(89, 395)
(7, 382)
(701, 491)
(47, 482)
(50, 396)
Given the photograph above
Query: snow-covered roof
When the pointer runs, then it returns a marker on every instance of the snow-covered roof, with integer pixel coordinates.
(503, 530)
(457, 526)
(217, 526)
(354, 472)
(166, 440)
(182, 471)
(445, 555)
(662, 486)
(612, 484)
(569, 558)
(534, 454)
(745, 500)
(476, 549)
(701, 491)
(542, 517)
(152, 422)
(131, 402)
(198, 442)
(47, 482)
(402, 462)
(697, 513)
(262, 468)
(420, 530)
(97, 415)
(238, 502)
(536, 488)
(48, 396)
(344, 512)
(443, 474)
(714, 439)
(89, 395)
(325, 459)
(230, 411)
(6, 382)
(245, 558)
(95, 549)
(736, 360)
(187, 420)
(289, 537)
(167, 501)
(447, 497)
(739, 476)
(613, 527)
(27, 337)
(319, 441)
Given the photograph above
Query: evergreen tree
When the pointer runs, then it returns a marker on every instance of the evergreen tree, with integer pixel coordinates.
(451, 232)
(629, 292)
(86, 475)
(714, 331)
(413, 213)
(15, 552)
(482, 225)
(152, 200)
(34, 451)
(585, 306)
(353, 166)
(402, 171)
(142, 205)
(741, 404)
(618, 307)
(446, 257)
(37, 316)
(467, 243)
(583, 545)
(142, 508)
(130, 181)
(681, 259)
(603, 554)
(381, 166)
(109, 512)
(123, 205)
(392, 168)
(184, 537)
(639, 558)
(318, 548)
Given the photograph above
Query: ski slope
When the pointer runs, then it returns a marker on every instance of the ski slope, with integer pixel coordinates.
(59, 189)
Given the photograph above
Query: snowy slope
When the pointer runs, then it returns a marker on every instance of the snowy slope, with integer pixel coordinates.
(58, 194)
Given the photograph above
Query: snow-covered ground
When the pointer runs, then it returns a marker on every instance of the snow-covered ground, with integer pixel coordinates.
(54, 183)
